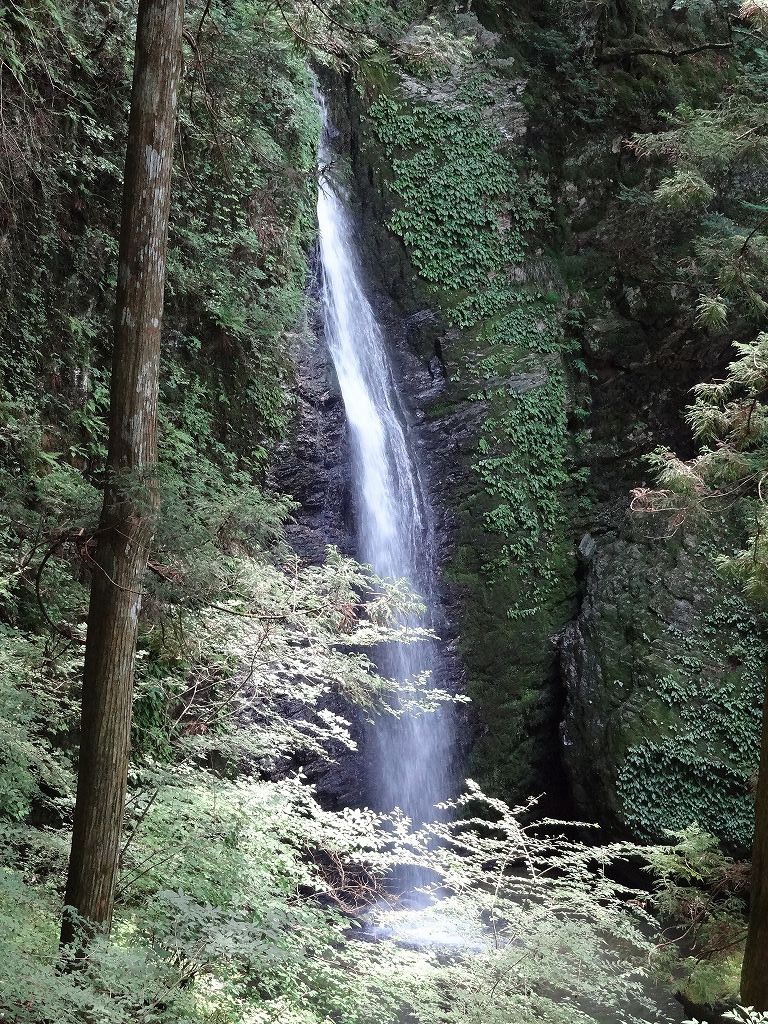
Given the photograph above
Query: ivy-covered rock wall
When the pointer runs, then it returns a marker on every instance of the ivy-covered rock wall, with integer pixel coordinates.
(664, 672)
(663, 666)
(533, 280)
(485, 310)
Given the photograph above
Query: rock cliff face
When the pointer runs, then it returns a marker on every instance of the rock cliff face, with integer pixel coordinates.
(662, 665)
(314, 464)
(664, 682)
(608, 668)
(465, 397)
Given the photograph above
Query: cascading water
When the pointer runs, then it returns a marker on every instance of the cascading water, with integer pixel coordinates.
(394, 530)
(395, 534)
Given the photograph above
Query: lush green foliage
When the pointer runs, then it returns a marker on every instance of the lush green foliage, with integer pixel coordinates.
(241, 223)
(699, 896)
(712, 191)
(239, 898)
(466, 211)
(713, 161)
(517, 894)
(729, 418)
(714, 156)
(214, 887)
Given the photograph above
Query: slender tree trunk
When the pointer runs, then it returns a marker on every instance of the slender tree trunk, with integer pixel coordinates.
(130, 498)
(754, 974)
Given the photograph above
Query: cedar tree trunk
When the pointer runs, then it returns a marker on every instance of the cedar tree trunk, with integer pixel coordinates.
(130, 498)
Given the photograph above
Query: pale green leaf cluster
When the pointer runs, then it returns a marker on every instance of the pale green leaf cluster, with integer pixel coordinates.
(683, 190)
(729, 417)
(699, 897)
(242, 900)
(740, 1015)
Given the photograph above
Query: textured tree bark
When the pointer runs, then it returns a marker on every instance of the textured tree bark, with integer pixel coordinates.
(754, 974)
(130, 498)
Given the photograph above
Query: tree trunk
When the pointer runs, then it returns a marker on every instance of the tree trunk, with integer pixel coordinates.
(130, 497)
(754, 973)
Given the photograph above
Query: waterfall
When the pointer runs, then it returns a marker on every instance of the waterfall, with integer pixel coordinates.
(394, 530)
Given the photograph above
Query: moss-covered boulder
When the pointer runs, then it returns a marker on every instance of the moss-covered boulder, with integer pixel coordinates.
(664, 673)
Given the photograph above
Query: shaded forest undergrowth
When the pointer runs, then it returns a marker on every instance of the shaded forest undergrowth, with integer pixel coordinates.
(240, 897)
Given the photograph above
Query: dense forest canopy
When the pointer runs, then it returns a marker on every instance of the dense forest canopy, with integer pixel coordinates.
(537, 289)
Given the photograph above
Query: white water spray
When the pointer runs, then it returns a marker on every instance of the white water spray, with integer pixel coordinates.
(394, 530)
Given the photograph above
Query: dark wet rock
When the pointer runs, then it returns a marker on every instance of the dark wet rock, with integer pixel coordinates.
(703, 1012)
(313, 465)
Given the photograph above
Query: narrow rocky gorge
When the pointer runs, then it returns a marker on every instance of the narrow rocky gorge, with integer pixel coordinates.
(470, 295)
(578, 699)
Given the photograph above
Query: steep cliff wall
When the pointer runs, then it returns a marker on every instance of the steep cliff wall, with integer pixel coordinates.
(486, 327)
(546, 344)
(550, 358)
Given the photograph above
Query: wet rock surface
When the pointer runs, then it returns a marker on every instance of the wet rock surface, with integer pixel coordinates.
(313, 466)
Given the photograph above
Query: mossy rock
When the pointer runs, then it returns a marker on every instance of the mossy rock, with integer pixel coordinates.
(664, 675)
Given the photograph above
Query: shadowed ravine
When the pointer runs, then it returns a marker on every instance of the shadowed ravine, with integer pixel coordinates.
(394, 532)
(393, 526)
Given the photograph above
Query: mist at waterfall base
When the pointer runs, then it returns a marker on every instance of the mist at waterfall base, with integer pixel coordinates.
(394, 533)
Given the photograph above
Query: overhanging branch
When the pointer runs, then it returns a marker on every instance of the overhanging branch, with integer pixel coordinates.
(614, 55)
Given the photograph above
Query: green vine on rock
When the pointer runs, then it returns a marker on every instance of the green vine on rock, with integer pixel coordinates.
(467, 207)
(706, 711)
